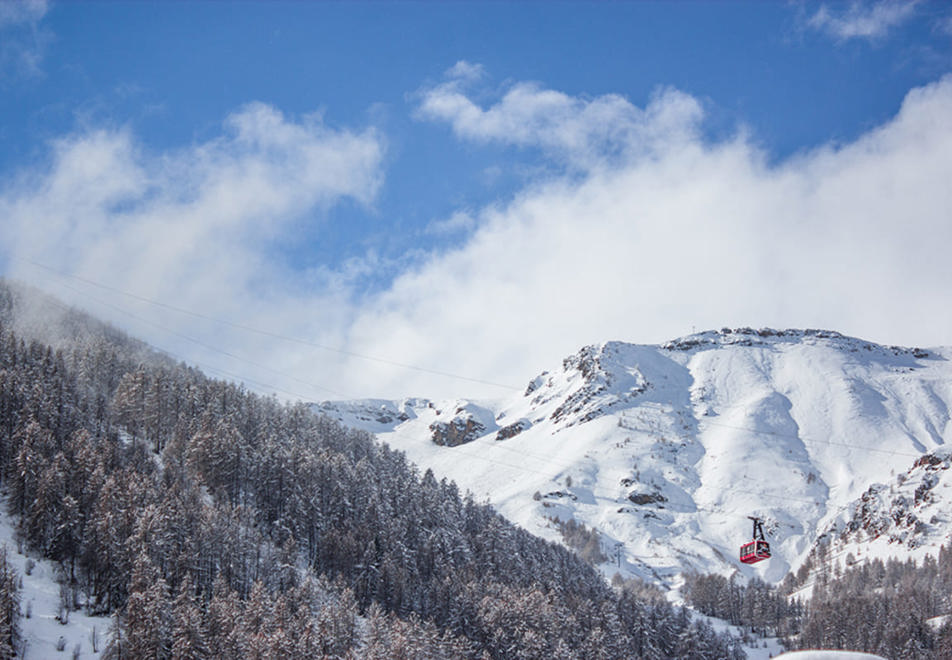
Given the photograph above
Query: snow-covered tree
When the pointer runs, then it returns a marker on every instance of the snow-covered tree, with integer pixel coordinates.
(9, 608)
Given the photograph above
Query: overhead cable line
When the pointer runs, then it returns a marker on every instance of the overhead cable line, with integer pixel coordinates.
(213, 349)
(807, 441)
(268, 333)
(206, 367)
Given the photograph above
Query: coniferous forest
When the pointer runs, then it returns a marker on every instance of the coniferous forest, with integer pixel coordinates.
(896, 609)
(211, 522)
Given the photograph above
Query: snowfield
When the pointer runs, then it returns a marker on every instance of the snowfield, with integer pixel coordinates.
(666, 450)
(45, 634)
(829, 655)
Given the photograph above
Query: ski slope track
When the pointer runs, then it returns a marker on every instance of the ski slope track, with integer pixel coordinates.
(665, 450)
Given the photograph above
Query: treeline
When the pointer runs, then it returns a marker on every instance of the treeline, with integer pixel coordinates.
(896, 609)
(754, 605)
(211, 522)
(585, 541)
(884, 608)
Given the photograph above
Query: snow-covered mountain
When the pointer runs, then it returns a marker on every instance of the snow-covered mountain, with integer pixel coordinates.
(666, 450)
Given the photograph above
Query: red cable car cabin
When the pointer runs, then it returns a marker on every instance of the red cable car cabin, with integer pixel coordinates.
(757, 549)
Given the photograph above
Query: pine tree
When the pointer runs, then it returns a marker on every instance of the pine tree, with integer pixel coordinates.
(155, 412)
(148, 612)
(32, 442)
(45, 514)
(188, 639)
(257, 622)
(9, 608)
(116, 648)
(221, 619)
(128, 402)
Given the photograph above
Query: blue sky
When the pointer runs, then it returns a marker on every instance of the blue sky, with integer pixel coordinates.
(343, 191)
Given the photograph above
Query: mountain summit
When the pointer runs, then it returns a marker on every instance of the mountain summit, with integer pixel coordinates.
(665, 450)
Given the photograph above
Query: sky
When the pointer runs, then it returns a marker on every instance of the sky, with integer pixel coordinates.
(387, 199)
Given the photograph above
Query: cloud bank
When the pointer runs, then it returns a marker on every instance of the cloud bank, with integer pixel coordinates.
(679, 235)
(649, 231)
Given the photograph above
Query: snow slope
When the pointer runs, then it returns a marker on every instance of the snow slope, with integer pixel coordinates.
(828, 655)
(666, 450)
(908, 518)
(43, 626)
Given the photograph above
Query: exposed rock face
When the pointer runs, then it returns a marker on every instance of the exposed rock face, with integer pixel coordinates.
(603, 384)
(906, 509)
(457, 431)
(647, 498)
(513, 429)
(764, 336)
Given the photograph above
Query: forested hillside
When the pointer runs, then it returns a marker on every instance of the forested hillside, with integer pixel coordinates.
(897, 609)
(214, 522)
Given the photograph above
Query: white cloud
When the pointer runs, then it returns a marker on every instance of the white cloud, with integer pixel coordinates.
(106, 204)
(862, 20)
(459, 222)
(945, 25)
(199, 228)
(22, 39)
(580, 132)
(464, 71)
(851, 238)
(16, 12)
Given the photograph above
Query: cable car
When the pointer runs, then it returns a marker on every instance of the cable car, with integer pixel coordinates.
(757, 549)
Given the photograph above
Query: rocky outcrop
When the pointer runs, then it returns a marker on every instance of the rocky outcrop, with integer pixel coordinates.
(642, 499)
(513, 429)
(906, 509)
(457, 431)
